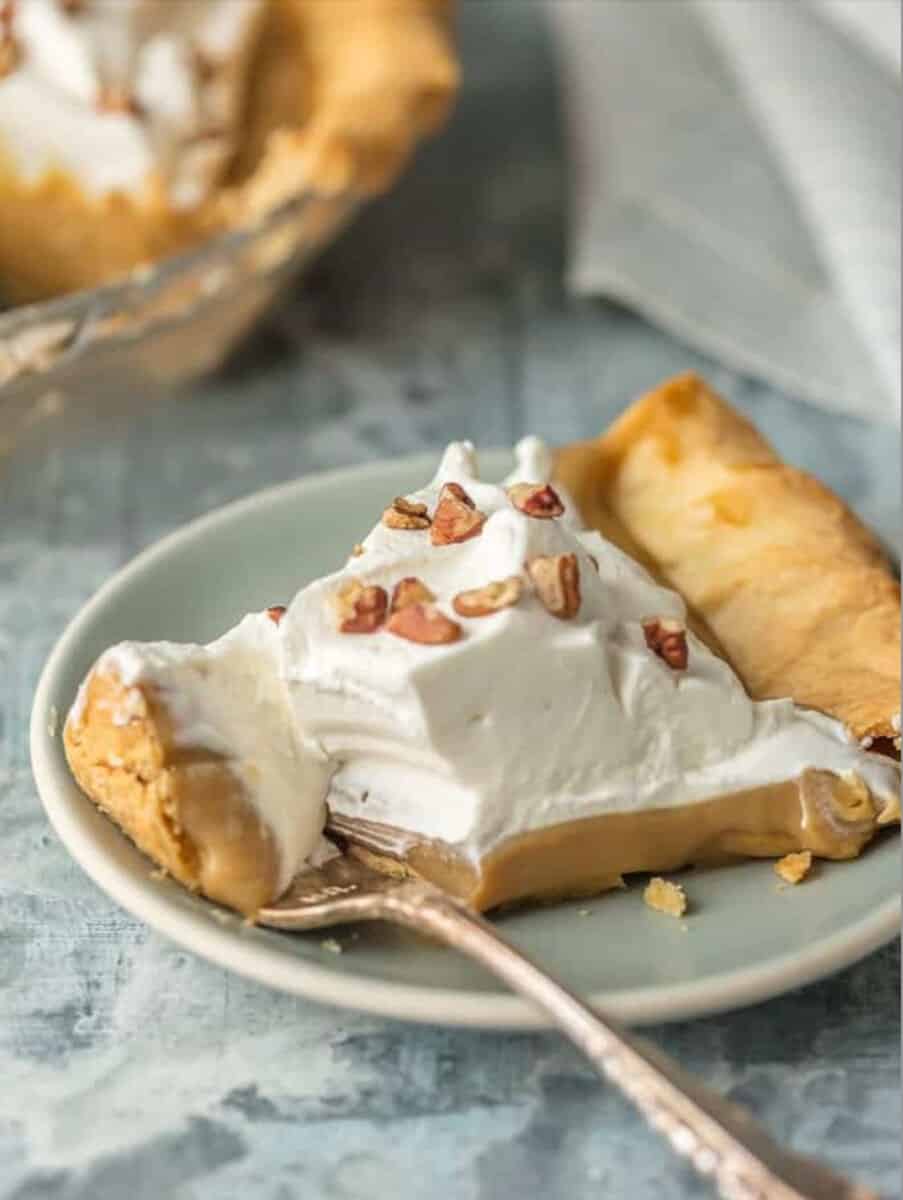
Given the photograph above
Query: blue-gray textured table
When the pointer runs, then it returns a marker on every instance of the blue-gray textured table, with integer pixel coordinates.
(129, 1069)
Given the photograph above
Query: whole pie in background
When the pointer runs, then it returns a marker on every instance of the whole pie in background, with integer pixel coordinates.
(131, 129)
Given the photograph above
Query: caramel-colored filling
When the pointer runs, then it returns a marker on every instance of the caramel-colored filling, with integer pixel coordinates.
(820, 812)
(190, 813)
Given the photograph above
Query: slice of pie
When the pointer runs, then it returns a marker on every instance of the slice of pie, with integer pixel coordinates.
(490, 696)
(131, 129)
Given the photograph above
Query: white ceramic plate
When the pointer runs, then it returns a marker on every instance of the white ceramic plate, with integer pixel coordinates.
(745, 938)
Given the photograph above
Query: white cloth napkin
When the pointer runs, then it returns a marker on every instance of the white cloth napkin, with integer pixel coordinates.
(737, 180)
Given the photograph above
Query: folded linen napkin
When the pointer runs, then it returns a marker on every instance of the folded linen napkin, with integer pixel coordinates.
(737, 180)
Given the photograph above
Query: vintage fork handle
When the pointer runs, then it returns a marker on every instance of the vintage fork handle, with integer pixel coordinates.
(719, 1139)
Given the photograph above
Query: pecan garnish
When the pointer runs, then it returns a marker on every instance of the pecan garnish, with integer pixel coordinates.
(456, 518)
(667, 637)
(357, 550)
(536, 500)
(458, 492)
(482, 602)
(276, 612)
(73, 8)
(556, 578)
(361, 609)
(410, 591)
(406, 514)
(425, 624)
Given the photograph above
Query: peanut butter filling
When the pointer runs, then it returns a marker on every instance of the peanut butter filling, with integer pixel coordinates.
(829, 816)
(188, 811)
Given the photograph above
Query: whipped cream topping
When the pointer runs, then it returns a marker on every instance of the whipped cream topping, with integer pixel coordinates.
(120, 94)
(527, 721)
(523, 722)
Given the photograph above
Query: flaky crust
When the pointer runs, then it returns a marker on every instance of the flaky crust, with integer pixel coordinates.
(185, 809)
(792, 585)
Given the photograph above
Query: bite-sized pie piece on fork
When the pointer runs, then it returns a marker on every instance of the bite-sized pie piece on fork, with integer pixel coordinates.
(495, 697)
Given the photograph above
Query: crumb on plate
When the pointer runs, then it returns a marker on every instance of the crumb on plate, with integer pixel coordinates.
(665, 897)
(793, 868)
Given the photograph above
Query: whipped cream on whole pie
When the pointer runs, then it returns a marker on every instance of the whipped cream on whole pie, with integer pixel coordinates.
(122, 95)
(481, 672)
(132, 129)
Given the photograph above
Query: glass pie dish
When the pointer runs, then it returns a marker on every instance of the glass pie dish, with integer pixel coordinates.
(161, 325)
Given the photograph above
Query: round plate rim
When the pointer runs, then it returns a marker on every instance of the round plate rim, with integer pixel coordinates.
(142, 898)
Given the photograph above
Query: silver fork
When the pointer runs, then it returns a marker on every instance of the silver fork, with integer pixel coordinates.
(719, 1139)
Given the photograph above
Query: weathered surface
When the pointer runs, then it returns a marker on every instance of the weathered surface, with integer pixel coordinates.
(131, 1070)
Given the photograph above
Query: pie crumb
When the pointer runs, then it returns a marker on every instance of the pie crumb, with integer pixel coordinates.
(583, 912)
(793, 868)
(333, 946)
(665, 897)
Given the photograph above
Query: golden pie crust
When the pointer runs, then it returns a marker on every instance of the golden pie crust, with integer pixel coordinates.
(337, 95)
(786, 579)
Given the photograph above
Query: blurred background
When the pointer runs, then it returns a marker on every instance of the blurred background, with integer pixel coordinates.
(614, 199)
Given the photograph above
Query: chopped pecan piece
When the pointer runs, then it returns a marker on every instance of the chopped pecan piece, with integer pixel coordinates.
(459, 493)
(357, 550)
(410, 591)
(536, 500)
(276, 612)
(667, 637)
(361, 609)
(456, 518)
(425, 624)
(556, 578)
(482, 602)
(406, 514)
